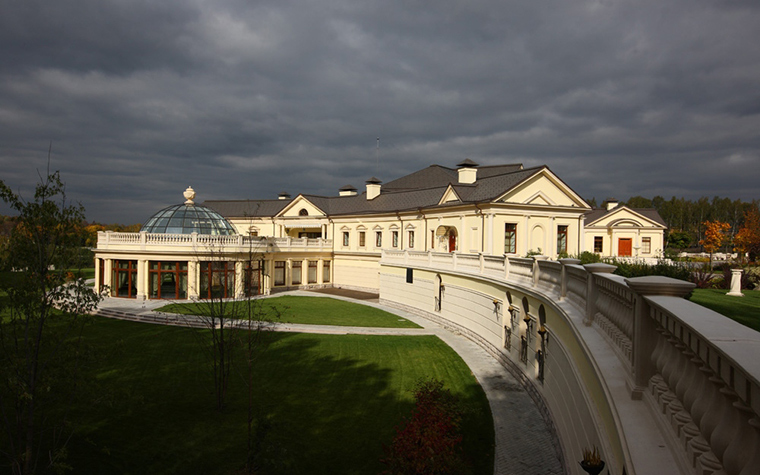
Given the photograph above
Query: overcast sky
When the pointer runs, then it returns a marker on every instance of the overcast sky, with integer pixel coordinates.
(246, 98)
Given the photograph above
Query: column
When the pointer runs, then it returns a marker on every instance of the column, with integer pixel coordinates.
(320, 270)
(108, 277)
(462, 232)
(193, 279)
(489, 241)
(581, 234)
(142, 279)
(522, 241)
(239, 279)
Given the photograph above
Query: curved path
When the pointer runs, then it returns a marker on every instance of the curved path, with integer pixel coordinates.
(524, 443)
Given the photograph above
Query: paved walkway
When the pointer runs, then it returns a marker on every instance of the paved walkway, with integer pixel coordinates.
(524, 443)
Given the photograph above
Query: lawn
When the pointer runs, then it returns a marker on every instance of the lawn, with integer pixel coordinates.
(310, 310)
(330, 401)
(745, 310)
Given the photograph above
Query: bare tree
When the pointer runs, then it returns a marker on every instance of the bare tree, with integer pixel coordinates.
(40, 325)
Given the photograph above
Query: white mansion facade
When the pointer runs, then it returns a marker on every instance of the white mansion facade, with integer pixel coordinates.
(244, 247)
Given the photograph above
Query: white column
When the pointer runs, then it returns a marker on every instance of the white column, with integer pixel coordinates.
(108, 277)
(581, 234)
(239, 279)
(523, 246)
(193, 279)
(320, 270)
(142, 279)
(462, 232)
(490, 234)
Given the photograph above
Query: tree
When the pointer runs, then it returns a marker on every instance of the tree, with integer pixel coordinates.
(747, 240)
(430, 441)
(715, 234)
(41, 321)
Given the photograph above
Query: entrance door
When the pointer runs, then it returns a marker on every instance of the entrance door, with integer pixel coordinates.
(624, 247)
(452, 242)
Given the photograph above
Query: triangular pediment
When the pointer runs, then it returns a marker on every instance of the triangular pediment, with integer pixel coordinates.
(299, 206)
(543, 188)
(622, 217)
(450, 195)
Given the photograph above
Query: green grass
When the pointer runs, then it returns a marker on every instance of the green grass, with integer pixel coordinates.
(86, 273)
(745, 310)
(312, 310)
(332, 401)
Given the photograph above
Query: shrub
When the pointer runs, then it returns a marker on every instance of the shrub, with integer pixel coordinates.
(587, 257)
(430, 441)
(663, 268)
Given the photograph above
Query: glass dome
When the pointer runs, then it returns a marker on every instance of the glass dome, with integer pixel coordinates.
(188, 219)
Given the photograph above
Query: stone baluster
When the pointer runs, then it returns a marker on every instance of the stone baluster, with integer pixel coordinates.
(644, 327)
(592, 294)
(750, 468)
(709, 461)
(743, 444)
(698, 445)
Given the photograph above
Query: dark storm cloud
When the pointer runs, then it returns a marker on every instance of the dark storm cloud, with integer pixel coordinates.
(244, 99)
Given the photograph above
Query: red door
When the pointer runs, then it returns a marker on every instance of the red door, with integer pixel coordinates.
(452, 242)
(624, 247)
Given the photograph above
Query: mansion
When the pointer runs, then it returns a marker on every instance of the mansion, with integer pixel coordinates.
(251, 247)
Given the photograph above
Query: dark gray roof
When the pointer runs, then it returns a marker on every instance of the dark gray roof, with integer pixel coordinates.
(599, 213)
(421, 189)
(247, 208)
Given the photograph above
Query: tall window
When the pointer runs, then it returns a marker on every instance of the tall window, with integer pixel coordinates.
(561, 239)
(411, 239)
(167, 280)
(362, 239)
(646, 245)
(124, 281)
(378, 239)
(394, 238)
(510, 238)
(312, 276)
(598, 244)
(295, 278)
(217, 280)
(279, 272)
(345, 238)
(253, 271)
(326, 272)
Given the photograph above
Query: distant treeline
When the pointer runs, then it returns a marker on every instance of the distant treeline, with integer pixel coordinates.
(685, 218)
(89, 229)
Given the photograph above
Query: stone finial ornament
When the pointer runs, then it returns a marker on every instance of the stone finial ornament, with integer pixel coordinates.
(189, 194)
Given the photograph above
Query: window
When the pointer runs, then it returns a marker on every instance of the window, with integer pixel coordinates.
(510, 238)
(598, 244)
(303, 212)
(561, 239)
(345, 238)
(326, 272)
(394, 238)
(253, 271)
(253, 232)
(124, 280)
(646, 245)
(279, 272)
(409, 275)
(217, 280)
(411, 239)
(167, 280)
(378, 239)
(295, 278)
(313, 272)
(362, 239)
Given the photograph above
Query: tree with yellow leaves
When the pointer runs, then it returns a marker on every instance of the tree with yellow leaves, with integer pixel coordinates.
(715, 234)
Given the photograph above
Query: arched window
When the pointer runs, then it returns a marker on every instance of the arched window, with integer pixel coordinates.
(303, 212)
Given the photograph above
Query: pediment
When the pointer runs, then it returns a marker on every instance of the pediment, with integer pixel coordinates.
(622, 217)
(543, 188)
(449, 196)
(300, 204)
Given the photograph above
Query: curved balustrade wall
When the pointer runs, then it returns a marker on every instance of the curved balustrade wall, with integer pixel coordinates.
(669, 370)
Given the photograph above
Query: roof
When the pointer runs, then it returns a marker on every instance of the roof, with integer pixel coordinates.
(421, 189)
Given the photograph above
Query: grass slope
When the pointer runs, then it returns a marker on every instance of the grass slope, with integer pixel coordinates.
(314, 311)
(330, 400)
(745, 310)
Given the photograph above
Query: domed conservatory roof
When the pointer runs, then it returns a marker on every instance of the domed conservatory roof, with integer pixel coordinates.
(188, 218)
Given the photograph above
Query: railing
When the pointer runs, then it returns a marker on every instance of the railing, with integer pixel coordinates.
(202, 242)
(698, 368)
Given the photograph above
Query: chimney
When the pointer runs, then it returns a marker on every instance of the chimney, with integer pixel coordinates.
(373, 188)
(611, 203)
(348, 190)
(284, 195)
(468, 172)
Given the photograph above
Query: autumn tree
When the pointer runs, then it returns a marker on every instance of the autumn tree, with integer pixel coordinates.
(41, 322)
(715, 235)
(747, 240)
